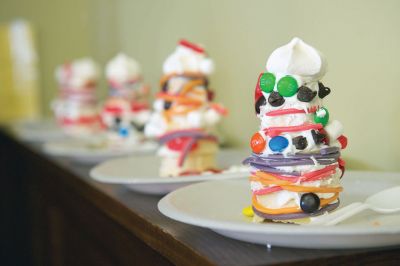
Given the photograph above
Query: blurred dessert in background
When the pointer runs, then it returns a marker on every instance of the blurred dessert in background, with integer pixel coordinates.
(184, 115)
(126, 110)
(76, 108)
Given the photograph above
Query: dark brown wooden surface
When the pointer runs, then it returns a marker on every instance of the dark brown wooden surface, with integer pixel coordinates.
(55, 214)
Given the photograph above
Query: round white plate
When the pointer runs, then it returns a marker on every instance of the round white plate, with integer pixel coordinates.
(142, 173)
(38, 130)
(217, 205)
(86, 151)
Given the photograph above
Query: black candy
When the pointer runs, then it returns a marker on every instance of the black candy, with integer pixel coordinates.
(305, 94)
(309, 202)
(260, 102)
(300, 142)
(275, 99)
(167, 105)
(317, 136)
(322, 90)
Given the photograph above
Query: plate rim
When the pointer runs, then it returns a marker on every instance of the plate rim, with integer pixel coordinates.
(271, 228)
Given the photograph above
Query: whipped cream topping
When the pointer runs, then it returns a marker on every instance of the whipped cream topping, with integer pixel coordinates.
(122, 69)
(298, 59)
(78, 74)
(188, 58)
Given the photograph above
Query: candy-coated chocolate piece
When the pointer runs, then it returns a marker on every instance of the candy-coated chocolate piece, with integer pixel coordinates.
(317, 136)
(343, 141)
(123, 132)
(275, 99)
(287, 86)
(321, 116)
(322, 90)
(300, 142)
(257, 143)
(267, 82)
(305, 94)
(248, 211)
(309, 202)
(167, 105)
(260, 102)
(278, 143)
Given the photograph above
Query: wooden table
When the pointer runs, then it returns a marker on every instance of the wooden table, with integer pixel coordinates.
(53, 213)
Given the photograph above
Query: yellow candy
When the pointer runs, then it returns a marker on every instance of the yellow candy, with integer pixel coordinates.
(248, 211)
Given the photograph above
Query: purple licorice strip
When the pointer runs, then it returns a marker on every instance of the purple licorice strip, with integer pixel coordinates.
(291, 216)
(190, 144)
(179, 134)
(255, 160)
(273, 170)
(303, 156)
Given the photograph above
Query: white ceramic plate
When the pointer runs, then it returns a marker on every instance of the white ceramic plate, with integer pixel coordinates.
(218, 205)
(142, 173)
(86, 151)
(38, 130)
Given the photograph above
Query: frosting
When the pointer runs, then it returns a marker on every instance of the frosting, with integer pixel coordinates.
(299, 59)
(122, 69)
(80, 73)
(188, 58)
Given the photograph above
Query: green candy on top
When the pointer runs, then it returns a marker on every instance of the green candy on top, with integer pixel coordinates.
(287, 86)
(267, 82)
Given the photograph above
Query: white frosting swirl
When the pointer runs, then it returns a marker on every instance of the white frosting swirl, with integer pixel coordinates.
(299, 59)
(185, 59)
(78, 73)
(122, 68)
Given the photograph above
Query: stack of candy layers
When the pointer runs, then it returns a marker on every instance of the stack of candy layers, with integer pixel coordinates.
(76, 107)
(296, 164)
(184, 115)
(126, 110)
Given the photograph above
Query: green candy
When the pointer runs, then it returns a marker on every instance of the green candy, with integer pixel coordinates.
(267, 82)
(287, 86)
(321, 116)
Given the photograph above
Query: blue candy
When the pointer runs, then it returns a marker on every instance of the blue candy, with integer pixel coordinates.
(123, 132)
(278, 143)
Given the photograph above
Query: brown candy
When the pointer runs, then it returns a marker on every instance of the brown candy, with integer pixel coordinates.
(275, 99)
(305, 94)
(322, 90)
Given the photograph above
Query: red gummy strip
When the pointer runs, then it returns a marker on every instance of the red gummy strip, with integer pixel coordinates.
(267, 190)
(192, 130)
(113, 109)
(137, 106)
(257, 91)
(275, 131)
(343, 141)
(192, 46)
(81, 120)
(285, 112)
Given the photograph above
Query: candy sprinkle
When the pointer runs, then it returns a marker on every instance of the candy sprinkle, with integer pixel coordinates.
(248, 211)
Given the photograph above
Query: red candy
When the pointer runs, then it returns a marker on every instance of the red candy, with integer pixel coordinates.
(257, 143)
(257, 91)
(343, 141)
(179, 143)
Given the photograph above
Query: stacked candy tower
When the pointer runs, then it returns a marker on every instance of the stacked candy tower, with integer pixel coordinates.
(126, 110)
(76, 106)
(184, 115)
(296, 165)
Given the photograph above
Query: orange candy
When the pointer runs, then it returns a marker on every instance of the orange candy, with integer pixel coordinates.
(257, 143)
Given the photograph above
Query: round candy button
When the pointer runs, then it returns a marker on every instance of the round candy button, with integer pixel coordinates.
(309, 202)
(287, 86)
(257, 143)
(267, 82)
(278, 143)
(321, 116)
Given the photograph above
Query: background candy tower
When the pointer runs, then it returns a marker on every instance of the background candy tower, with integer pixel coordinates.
(126, 110)
(76, 107)
(184, 114)
(296, 165)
